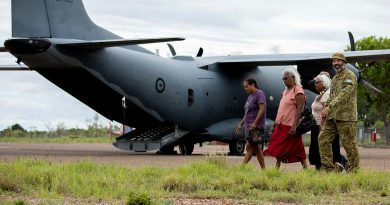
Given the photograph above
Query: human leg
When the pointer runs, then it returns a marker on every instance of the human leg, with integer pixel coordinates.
(259, 155)
(248, 154)
(277, 165)
(336, 149)
(304, 164)
(314, 152)
(325, 140)
(347, 131)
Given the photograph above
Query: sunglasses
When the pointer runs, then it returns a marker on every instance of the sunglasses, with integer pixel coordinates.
(285, 78)
(318, 82)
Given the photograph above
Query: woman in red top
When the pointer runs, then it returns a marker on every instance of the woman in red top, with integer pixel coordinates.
(285, 144)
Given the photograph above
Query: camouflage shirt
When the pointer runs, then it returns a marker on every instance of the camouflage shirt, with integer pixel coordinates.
(342, 102)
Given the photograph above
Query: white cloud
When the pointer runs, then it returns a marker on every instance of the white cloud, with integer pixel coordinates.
(221, 27)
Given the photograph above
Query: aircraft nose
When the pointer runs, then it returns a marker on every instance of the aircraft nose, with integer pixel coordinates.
(27, 45)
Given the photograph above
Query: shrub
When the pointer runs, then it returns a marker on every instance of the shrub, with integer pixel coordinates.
(138, 198)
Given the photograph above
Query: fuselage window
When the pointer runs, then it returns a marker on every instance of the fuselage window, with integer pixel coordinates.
(190, 97)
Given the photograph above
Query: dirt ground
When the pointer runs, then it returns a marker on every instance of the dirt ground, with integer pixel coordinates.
(370, 158)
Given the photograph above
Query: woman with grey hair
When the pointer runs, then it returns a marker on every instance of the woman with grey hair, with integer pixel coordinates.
(322, 84)
(295, 74)
(285, 144)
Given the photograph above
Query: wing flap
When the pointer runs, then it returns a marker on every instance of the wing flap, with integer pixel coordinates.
(97, 44)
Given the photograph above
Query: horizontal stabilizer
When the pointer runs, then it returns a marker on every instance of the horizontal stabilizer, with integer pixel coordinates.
(2, 49)
(97, 44)
(14, 68)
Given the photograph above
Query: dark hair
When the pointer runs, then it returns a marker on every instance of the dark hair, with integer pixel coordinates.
(252, 81)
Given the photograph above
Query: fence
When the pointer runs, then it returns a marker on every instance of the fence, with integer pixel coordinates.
(371, 137)
(364, 138)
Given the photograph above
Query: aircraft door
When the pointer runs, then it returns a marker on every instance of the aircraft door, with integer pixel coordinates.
(208, 95)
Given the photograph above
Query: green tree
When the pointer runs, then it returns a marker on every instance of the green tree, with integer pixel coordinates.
(375, 106)
(15, 130)
(17, 127)
(94, 128)
(60, 130)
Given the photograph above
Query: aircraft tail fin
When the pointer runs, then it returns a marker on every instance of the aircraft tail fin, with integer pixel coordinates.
(55, 19)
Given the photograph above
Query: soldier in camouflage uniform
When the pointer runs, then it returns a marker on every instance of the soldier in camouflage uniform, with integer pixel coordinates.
(340, 116)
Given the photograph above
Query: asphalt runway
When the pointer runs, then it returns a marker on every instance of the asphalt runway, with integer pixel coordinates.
(370, 158)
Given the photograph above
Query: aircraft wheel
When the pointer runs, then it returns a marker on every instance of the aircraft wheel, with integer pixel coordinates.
(237, 148)
(186, 149)
(167, 150)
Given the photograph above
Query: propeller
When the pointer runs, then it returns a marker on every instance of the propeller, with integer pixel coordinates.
(200, 52)
(352, 41)
(358, 72)
(172, 49)
(173, 52)
(368, 85)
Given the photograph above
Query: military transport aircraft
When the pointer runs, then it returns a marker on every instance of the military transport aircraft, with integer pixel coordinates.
(176, 101)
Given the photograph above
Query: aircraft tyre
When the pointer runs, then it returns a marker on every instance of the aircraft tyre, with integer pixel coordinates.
(168, 150)
(237, 148)
(186, 148)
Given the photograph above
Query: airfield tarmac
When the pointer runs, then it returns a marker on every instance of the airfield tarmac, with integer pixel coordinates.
(370, 158)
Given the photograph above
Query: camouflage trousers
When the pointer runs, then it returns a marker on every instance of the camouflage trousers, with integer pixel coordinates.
(347, 133)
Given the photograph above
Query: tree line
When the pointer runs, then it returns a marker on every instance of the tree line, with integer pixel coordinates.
(93, 129)
(373, 108)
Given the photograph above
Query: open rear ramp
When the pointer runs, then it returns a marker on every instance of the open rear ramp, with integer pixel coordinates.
(163, 138)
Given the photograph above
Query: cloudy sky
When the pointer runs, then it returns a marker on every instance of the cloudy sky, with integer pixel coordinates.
(221, 27)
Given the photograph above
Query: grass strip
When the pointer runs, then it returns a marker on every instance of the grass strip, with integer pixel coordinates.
(212, 178)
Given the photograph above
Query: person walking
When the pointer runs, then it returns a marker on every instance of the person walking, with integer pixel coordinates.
(340, 116)
(322, 85)
(285, 144)
(253, 121)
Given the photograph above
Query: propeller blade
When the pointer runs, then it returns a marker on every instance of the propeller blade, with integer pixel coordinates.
(369, 86)
(352, 41)
(367, 66)
(355, 71)
(200, 52)
(172, 49)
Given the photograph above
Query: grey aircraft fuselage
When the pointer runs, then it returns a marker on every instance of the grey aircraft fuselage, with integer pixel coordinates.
(168, 89)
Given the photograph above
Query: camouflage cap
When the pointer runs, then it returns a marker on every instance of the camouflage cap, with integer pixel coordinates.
(339, 55)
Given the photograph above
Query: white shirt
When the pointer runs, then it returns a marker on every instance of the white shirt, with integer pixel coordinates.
(319, 104)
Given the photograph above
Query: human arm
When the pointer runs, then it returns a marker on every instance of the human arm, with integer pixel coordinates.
(260, 114)
(300, 102)
(238, 129)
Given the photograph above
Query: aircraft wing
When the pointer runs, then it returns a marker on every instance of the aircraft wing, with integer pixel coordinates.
(2, 49)
(309, 58)
(96, 44)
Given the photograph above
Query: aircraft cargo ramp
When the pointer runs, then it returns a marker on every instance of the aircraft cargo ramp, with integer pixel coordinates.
(161, 137)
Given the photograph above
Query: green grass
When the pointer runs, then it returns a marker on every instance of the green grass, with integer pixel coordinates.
(212, 178)
(64, 139)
